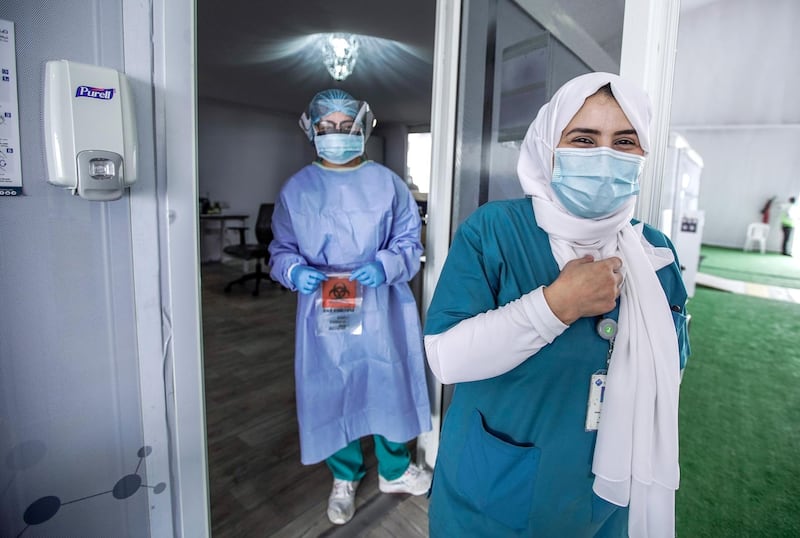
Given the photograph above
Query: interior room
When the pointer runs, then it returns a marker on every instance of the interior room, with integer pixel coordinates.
(258, 69)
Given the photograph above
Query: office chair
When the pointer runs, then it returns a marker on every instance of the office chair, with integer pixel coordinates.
(757, 233)
(253, 251)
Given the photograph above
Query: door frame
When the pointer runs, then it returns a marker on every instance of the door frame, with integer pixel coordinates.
(164, 215)
(649, 47)
(440, 197)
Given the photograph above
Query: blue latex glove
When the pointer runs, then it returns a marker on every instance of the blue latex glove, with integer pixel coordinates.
(371, 275)
(307, 279)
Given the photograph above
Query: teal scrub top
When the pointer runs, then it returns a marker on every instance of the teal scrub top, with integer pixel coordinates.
(514, 458)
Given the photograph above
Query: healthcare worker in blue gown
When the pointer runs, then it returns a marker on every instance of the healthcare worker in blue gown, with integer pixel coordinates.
(561, 321)
(346, 215)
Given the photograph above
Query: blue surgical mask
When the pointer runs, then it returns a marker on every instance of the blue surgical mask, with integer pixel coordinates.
(595, 182)
(339, 148)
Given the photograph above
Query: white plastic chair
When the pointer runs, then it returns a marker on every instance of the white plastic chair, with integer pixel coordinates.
(757, 233)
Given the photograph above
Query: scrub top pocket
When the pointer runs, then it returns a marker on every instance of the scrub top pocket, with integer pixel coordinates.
(497, 477)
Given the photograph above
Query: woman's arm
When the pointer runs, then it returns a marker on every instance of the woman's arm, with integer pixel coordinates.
(508, 335)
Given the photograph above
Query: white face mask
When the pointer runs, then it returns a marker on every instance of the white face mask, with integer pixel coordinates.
(595, 182)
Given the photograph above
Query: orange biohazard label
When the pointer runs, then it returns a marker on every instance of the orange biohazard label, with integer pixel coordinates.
(339, 293)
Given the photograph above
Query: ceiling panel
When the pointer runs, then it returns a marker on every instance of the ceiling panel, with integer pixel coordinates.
(258, 54)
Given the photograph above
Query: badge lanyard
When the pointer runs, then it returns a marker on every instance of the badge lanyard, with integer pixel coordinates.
(607, 330)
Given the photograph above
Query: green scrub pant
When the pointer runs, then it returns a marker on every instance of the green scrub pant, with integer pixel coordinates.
(348, 463)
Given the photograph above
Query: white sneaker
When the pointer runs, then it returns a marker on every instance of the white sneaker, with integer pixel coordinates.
(415, 481)
(341, 503)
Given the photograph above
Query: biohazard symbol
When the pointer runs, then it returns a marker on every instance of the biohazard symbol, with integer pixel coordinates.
(339, 291)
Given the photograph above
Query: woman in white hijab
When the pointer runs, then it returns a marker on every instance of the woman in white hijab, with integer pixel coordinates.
(562, 323)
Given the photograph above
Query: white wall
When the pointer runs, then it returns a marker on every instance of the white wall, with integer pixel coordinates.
(246, 154)
(395, 151)
(71, 423)
(743, 168)
(735, 101)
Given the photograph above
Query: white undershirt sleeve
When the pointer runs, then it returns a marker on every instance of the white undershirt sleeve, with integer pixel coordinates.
(494, 342)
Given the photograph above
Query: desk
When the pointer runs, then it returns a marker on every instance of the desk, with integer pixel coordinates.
(209, 249)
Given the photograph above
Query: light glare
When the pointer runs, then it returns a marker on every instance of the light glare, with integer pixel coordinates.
(339, 54)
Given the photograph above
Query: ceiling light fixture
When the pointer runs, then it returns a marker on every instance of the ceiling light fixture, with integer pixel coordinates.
(339, 54)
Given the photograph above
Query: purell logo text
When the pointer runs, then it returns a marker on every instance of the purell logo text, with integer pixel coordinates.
(106, 94)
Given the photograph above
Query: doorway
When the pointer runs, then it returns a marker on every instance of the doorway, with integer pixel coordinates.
(258, 66)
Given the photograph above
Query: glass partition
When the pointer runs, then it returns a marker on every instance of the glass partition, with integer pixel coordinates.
(510, 65)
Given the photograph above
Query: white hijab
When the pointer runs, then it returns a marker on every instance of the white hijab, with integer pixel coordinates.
(636, 456)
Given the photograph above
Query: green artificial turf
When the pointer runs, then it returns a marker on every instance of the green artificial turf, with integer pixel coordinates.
(740, 412)
(771, 269)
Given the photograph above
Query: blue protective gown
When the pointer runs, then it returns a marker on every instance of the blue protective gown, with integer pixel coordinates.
(349, 386)
(515, 459)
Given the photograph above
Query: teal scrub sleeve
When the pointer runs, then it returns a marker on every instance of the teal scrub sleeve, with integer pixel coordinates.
(465, 286)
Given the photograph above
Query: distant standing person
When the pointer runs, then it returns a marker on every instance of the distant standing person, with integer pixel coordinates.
(765, 210)
(788, 217)
(347, 238)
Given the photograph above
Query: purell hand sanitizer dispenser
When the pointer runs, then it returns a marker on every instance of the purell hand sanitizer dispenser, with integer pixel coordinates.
(89, 130)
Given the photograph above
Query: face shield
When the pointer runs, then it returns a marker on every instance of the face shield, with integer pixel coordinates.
(315, 122)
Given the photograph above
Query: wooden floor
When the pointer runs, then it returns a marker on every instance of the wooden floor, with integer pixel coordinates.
(258, 486)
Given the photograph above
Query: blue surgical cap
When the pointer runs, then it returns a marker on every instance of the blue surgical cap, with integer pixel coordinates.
(329, 101)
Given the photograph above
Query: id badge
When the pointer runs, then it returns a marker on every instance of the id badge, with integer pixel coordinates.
(597, 391)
